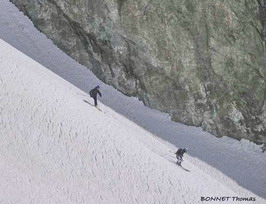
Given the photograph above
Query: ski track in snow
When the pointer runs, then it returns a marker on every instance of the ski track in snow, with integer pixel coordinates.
(230, 163)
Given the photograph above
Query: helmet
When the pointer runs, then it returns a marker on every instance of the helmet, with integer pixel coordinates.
(97, 87)
(185, 149)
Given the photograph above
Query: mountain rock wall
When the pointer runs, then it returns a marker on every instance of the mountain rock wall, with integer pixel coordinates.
(201, 61)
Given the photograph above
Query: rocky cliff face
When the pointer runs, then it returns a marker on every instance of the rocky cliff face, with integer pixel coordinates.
(202, 61)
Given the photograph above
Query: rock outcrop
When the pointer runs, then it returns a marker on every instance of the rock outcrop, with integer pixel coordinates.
(201, 61)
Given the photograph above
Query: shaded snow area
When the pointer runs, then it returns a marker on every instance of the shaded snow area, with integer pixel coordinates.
(56, 148)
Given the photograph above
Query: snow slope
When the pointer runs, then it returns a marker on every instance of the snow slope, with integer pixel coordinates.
(55, 148)
(235, 165)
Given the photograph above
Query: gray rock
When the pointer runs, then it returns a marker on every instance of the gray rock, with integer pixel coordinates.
(203, 62)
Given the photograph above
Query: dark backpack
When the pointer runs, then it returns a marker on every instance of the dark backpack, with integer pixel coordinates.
(180, 152)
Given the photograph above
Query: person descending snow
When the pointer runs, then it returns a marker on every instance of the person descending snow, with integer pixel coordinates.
(93, 94)
(179, 155)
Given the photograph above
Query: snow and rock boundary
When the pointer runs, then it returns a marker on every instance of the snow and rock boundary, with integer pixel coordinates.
(243, 163)
(57, 149)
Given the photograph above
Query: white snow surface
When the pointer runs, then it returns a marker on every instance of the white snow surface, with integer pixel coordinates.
(55, 148)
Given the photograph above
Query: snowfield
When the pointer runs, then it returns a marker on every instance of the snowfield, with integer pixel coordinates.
(56, 148)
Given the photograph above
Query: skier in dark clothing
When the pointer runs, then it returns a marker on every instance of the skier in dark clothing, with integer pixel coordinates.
(179, 155)
(93, 94)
